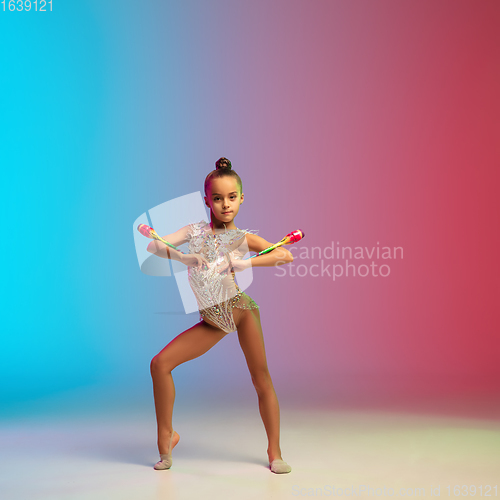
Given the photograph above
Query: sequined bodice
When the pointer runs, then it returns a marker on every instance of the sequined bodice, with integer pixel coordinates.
(215, 246)
(213, 289)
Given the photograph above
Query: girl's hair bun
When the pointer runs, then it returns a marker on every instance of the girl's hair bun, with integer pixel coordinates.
(223, 168)
(223, 164)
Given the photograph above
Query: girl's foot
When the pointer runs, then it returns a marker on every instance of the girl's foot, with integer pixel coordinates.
(279, 466)
(166, 458)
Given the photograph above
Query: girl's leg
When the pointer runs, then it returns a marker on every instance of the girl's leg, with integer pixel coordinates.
(186, 346)
(252, 343)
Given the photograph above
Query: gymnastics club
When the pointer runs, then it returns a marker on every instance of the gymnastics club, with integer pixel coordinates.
(289, 239)
(149, 232)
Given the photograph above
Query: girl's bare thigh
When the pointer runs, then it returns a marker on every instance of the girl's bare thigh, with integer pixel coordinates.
(189, 344)
(251, 340)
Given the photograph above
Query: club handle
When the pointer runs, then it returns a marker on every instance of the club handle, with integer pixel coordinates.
(149, 232)
(289, 239)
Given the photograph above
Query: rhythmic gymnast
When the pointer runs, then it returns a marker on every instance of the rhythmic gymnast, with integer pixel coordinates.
(215, 254)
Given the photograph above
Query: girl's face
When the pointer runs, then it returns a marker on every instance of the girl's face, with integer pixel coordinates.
(223, 198)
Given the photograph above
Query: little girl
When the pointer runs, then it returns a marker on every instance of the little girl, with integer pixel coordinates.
(215, 251)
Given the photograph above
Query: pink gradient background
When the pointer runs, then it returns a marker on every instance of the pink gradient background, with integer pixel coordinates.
(376, 122)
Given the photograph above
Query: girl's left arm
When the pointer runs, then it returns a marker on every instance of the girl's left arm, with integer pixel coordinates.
(276, 257)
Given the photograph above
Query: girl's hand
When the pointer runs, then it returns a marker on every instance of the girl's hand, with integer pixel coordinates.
(236, 265)
(240, 265)
(195, 260)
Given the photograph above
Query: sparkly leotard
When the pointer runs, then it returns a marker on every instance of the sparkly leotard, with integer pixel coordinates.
(216, 292)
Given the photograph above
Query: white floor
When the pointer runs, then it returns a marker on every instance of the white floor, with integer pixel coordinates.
(222, 453)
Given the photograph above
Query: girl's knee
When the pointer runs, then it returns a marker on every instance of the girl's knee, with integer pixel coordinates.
(160, 364)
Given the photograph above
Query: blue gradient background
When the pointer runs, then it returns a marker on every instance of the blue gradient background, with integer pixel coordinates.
(358, 122)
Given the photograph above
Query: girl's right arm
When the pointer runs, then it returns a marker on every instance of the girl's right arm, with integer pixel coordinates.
(161, 250)
(178, 238)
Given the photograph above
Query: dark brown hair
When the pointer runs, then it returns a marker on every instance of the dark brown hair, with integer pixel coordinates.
(223, 168)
